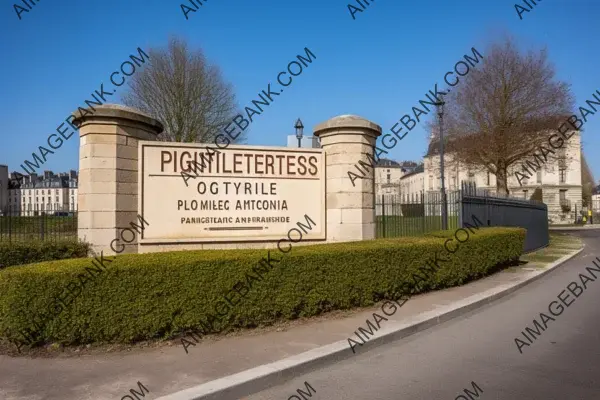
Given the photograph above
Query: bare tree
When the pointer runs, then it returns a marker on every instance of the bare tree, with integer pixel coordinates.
(504, 110)
(184, 92)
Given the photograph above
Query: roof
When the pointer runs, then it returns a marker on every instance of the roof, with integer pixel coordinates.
(434, 146)
(41, 182)
(419, 169)
(386, 162)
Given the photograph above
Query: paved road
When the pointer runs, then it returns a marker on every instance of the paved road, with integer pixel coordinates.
(563, 363)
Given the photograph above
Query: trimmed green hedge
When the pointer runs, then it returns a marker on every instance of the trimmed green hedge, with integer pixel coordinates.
(27, 252)
(158, 295)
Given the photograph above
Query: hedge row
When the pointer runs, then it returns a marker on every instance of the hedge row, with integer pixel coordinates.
(32, 251)
(159, 295)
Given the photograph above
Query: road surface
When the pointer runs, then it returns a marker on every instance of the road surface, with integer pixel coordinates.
(563, 362)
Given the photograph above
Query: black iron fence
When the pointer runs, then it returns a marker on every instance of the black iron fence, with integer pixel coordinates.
(23, 226)
(586, 215)
(416, 215)
(507, 211)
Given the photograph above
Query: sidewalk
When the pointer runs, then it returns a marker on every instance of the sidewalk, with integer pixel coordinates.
(168, 369)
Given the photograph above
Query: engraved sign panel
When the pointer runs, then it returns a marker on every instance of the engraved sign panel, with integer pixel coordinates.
(239, 193)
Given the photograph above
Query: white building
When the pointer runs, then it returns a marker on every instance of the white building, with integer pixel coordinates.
(48, 194)
(389, 175)
(596, 199)
(412, 184)
(559, 178)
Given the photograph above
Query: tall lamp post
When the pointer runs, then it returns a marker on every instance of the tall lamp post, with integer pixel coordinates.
(299, 131)
(440, 109)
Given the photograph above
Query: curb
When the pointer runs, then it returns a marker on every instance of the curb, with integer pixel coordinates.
(574, 228)
(260, 378)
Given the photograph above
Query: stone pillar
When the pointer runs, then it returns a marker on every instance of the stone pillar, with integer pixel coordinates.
(108, 174)
(346, 140)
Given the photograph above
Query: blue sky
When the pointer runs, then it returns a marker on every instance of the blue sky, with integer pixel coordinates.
(377, 66)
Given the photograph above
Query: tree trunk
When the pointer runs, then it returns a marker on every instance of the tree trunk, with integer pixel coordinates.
(502, 180)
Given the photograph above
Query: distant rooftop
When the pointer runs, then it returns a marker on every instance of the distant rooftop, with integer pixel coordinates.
(420, 168)
(387, 163)
(47, 180)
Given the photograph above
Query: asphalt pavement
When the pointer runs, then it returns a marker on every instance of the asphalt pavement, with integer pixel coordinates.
(562, 362)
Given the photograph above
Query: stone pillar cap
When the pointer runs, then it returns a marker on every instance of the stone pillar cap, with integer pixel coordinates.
(118, 111)
(345, 122)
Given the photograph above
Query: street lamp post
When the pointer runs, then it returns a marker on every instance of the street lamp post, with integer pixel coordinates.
(299, 131)
(440, 107)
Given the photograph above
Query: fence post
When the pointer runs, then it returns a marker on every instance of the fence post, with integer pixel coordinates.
(383, 214)
(42, 227)
(423, 207)
(394, 217)
(460, 205)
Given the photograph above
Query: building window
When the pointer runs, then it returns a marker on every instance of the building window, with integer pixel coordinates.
(525, 194)
(389, 177)
(430, 182)
(562, 173)
(539, 176)
(49, 191)
(57, 199)
(488, 178)
(43, 199)
(562, 194)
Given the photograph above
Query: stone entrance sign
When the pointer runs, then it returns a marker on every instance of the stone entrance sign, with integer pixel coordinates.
(247, 197)
(241, 193)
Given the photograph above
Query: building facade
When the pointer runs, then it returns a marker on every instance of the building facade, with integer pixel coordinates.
(51, 194)
(412, 184)
(559, 179)
(595, 206)
(388, 176)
